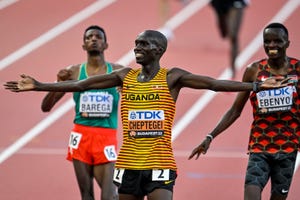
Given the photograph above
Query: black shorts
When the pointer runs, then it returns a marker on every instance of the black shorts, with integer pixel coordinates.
(141, 182)
(279, 167)
(222, 6)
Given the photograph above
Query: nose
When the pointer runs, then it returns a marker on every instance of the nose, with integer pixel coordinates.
(94, 37)
(137, 48)
(272, 43)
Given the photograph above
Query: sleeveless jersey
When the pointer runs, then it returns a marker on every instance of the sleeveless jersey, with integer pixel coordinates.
(147, 112)
(97, 107)
(276, 124)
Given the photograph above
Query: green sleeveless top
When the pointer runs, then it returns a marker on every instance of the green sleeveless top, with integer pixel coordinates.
(97, 107)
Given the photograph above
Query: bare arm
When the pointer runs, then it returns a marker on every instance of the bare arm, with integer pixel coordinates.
(179, 78)
(69, 73)
(51, 98)
(27, 83)
(230, 116)
(205, 82)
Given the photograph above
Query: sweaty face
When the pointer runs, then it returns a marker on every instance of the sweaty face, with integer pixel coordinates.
(94, 41)
(275, 42)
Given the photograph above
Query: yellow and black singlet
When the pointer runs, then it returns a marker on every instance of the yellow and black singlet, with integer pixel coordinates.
(147, 112)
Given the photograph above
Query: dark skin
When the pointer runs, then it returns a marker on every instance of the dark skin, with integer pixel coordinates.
(149, 47)
(94, 44)
(275, 45)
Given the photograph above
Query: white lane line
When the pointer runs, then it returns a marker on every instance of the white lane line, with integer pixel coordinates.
(60, 111)
(6, 3)
(196, 108)
(54, 32)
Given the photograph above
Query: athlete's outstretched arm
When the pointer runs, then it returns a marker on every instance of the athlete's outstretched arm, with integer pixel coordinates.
(228, 118)
(28, 83)
(204, 82)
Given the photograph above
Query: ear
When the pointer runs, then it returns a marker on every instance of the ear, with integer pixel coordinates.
(105, 45)
(160, 50)
(287, 44)
(83, 47)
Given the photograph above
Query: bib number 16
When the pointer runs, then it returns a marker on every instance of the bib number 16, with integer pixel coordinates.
(74, 140)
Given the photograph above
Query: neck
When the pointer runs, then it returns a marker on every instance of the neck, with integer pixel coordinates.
(148, 74)
(278, 63)
(279, 67)
(96, 61)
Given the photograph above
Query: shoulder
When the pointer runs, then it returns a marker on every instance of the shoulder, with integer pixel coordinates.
(73, 67)
(251, 71)
(177, 71)
(122, 72)
(253, 66)
(175, 76)
(71, 71)
(116, 66)
(294, 61)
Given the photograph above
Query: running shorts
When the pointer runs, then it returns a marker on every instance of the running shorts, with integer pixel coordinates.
(143, 182)
(279, 167)
(92, 145)
(222, 6)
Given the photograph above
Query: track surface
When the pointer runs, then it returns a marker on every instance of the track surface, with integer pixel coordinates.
(40, 37)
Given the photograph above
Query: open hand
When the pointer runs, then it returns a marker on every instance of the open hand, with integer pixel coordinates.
(27, 83)
(274, 82)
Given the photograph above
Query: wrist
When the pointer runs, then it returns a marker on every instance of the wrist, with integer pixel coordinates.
(209, 137)
(256, 86)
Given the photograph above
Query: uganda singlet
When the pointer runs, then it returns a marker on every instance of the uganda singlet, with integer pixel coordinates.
(147, 112)
(276, 124)
(97, 108)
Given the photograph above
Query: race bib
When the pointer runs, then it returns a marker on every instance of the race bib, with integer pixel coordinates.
(110, 153)
(118, 175)
(146, 123)
(74, 140)
(160, 174)
(280, 99)
(95, 104)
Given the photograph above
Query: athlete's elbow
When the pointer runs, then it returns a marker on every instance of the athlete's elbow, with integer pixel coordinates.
(236, 114)
(45, 108)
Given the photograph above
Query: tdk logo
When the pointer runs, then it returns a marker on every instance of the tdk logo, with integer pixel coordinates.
(96, 98)
(276, 92)
(146, 115)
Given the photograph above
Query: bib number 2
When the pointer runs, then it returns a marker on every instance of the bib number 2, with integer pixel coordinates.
(160, 174)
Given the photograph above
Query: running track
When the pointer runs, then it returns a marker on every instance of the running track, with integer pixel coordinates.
(40, 37)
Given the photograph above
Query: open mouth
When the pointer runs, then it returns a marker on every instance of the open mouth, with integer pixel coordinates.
(273, 51)
(139, 55)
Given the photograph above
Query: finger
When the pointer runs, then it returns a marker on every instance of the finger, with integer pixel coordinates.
(286, 80)
(11, 82)
(25, 76)
(278, 78)
(191, 156)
